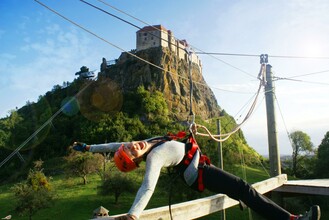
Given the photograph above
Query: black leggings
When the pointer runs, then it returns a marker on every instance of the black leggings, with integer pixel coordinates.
(219, 181)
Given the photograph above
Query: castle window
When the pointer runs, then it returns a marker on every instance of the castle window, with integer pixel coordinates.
(145, 38)
(145, 34)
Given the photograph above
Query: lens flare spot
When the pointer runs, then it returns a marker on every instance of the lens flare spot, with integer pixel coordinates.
(70, 106)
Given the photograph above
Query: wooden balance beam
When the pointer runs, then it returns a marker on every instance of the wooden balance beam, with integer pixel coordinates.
(205, 206)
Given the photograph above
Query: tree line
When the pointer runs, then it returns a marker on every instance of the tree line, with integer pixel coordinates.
(101, 113)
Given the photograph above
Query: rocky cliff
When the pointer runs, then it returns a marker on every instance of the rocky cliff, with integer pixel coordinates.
(172, 80)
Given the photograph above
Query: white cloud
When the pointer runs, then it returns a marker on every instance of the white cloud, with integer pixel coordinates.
(54, 59)
(52, 29)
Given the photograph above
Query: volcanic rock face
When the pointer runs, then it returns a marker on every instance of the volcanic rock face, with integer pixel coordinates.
(171, 77)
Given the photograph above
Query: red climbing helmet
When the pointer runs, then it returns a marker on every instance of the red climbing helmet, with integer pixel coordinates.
(123, 161)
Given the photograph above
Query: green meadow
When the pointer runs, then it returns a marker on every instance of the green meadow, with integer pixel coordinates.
(77, 201)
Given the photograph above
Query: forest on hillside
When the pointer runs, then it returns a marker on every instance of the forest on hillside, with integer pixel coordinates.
(76, 111)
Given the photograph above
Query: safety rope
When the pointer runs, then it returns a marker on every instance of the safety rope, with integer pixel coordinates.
(223, 137)
(190, 52)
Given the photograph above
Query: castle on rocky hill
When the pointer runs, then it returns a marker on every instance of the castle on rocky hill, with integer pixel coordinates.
(158, 36)
(158, 46)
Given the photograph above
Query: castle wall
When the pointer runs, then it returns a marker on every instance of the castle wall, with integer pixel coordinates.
(156, 36)
(147, 40)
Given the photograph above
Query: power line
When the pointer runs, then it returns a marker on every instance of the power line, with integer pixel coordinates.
(298, 80)
(49, 121)
(108, 13)
(203, 84)
(301, 57)
(155, 28)
(209, 53)
(90, 32)
(59, 111)
(228, 135)
(106, 41)
(125, 13)
(284, 123)
(127, 22)
(231, 91)
(257, 55)
(308, 74)
(228, 54)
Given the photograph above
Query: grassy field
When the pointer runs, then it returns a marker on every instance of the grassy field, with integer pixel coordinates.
(77, 201)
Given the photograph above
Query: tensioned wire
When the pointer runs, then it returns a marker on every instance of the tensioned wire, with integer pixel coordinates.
(101, 38)
(207, 53)
(211, 54)
(307, 74)
(44, 125)
(201, 52)
(228, 135)
(108, 42)
(284, 123)
(249, 113)
(155, 28)
(238, 126)
(223, 135)
(298, 80)
(58, 112)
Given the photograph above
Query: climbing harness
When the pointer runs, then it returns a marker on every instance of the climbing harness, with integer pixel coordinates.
(204, 160)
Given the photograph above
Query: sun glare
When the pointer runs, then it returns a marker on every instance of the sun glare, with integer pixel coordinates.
(312, 46)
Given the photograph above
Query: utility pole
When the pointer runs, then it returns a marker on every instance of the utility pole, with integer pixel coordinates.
(220, 162)
(274, 155)
(220, 149)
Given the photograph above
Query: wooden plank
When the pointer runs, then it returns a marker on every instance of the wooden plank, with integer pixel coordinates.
(205, 206)
(310, 187)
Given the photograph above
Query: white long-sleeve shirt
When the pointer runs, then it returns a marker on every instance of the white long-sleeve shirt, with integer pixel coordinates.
(168, 154)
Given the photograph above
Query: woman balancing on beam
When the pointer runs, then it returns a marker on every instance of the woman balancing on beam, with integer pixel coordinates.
(196, 170)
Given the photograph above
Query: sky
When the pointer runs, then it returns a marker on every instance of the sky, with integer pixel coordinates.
(40, 49)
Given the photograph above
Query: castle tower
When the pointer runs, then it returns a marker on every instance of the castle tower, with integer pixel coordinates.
(152, 36)
(159, 36)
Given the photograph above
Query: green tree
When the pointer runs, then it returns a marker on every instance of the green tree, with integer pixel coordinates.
(153, 104)
(7, 125)
(116, 127)
(83, 164)
(117, 183)
(35, 193)
(301, 145)
(323, 157)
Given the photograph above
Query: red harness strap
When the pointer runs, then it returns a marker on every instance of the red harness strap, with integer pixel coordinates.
(203, 160)
(189, 155)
